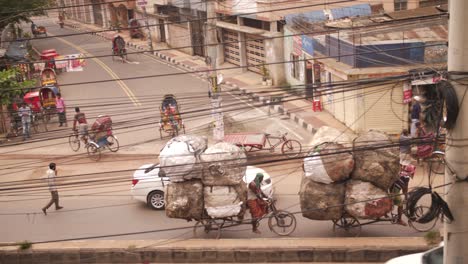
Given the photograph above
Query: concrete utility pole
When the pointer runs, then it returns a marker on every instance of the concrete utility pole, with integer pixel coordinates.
(456, 233)
(211, 61)
(150, 39)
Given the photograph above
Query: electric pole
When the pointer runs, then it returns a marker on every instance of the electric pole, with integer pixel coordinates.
(211, 61)
(150, 40)
(455, 233)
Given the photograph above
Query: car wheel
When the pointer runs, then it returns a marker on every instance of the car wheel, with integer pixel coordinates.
(156, 200)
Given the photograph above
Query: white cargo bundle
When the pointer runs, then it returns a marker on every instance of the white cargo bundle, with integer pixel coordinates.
(225, 201)
(180, 158)
(324, 166)
(224, 164)
(330, 134)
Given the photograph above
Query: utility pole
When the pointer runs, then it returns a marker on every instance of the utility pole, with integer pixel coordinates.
(456, 232)
(142, 4)
(211, 61)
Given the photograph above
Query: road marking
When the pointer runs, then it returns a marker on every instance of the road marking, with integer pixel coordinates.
(256, 108)
(124, 87)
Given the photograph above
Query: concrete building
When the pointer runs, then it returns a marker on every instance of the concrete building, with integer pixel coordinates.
(326, 53)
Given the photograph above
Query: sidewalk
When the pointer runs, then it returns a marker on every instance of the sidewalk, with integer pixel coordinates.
(247, 83)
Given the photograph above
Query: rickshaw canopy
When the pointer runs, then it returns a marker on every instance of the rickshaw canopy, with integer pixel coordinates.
(33, 99)
(48, 77)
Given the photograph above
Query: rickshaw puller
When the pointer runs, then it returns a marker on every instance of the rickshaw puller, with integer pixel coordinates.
(82, 124)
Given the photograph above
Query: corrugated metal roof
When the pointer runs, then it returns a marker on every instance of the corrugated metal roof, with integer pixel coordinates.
(419, 12)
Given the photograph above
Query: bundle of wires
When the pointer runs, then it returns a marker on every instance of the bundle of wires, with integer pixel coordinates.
(438, 208)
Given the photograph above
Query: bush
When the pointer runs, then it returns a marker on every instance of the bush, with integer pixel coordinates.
(25, 245)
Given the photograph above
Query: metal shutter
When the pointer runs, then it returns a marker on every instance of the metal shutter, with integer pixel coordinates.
(255, 49)
(231, 47)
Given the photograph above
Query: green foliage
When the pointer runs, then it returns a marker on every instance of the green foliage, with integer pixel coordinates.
(9, 12)
(10, 87)
(432, 237)
(25, 245)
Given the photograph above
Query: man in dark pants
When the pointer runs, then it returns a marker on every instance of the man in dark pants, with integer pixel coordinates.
(51, 173)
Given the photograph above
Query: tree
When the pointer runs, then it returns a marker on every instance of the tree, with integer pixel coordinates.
(15, 11)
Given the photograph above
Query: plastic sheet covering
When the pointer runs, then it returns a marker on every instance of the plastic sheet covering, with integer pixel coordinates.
(184, 200)
(325, 168)
(380, 164)
(365, 200)
(321, 201)
(225, 201)
(223, 164)
(180, 158)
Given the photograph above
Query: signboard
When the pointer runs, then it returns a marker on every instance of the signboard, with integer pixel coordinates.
(297, 45)
(307, 45)
(142, 3)
(407, 92)
(75, 62)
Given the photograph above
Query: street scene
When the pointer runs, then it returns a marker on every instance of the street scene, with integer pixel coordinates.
(143, 127)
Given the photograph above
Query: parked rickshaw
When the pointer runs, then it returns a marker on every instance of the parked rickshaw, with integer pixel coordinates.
(171, 121)
(118, 48)
(49, 78)
(39, 30)
(42, 103)
(49, 57)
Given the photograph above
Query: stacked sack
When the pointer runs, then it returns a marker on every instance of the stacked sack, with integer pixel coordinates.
(323, 182)
(180, 162)
(203, 178)
(334, 175)
(225, 193)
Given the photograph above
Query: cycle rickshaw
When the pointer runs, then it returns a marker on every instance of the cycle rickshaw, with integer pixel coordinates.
(171, 121)
(42, 104)
(118, 48)
(49, 78)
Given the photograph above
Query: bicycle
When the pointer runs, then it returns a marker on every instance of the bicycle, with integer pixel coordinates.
(280, 222)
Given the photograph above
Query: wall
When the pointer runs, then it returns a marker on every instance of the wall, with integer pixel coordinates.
(288, 49)
(274, 53)
(179, 37)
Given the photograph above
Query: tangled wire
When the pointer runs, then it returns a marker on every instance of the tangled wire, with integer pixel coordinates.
(439, 207)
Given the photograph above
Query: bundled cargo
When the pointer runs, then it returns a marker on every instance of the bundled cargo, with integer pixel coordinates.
(375, 160)
(329, 163)
(225, 201)
(180, 158)
(184, 200)
(330, 134)
(365, 200)
(224, 164)
(321, 201)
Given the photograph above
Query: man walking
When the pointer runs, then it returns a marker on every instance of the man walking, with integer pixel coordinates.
(25, 113)
(51, 174)
(415, 114)
(60, 105)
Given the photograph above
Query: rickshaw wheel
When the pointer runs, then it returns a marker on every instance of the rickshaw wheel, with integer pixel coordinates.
(203, 227)
(160, 132)
(347, 225)
(291, 148)
(94, 152)
(74, 141)
(113, 144)
(282, 223)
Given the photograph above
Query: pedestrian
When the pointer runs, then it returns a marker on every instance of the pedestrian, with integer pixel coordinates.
(405, 148)
(60, 106)
(80, 118)
(25, 113)
(51, 174)
(415, 115)
(257, 206)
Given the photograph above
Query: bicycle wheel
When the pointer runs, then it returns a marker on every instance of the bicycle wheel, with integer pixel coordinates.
(291, 148)
(437, 163)
(282, 223)
(113, 144)
(347, 225)
(203, 227)
(94, 152)
(418, 213)
(74, 141)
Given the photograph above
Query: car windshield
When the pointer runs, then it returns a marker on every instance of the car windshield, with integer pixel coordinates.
(152, 167)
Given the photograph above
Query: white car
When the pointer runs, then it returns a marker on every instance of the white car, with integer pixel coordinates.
(432, 256)
(148, 186)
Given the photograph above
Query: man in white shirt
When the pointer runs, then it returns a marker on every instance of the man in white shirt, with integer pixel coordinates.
(25, 113)
(51, 173)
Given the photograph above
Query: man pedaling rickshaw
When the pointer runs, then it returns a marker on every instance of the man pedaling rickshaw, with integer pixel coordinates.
(80, 118)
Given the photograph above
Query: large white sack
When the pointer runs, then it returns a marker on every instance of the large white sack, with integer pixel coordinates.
(330, 134)
(365, 200)
(329, 163)
(223, 164)
(375, 162)
(225, 201)
(184, 200)
(180, 158)
(321, 201)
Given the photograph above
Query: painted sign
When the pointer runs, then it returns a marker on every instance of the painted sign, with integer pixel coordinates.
(75, 62)
(407, 92)
(307, 45)
(297, 45)
(142, 3)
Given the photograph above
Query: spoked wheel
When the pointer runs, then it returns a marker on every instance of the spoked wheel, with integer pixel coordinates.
(204, 227)
(94, 152)
(113, 143)
(415, 222)
(347, 225)
(291, 148)
(74, 141)
(160, 132)
(282, 223)
(437, 163)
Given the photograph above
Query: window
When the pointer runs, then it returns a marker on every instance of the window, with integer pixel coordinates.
(425, 3)
(400, 5)
(295, 66)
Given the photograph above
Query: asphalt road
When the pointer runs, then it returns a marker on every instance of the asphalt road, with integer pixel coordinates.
(106, 207)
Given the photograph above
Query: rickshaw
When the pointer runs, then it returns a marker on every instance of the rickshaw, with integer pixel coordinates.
(39, 30)
(49, 78)
(100, 136)
(171, 121)
(118, 48)
(42, 104)
(49, 57)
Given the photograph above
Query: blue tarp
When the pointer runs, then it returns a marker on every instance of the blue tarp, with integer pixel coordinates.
(314, 16)
(17, 51)
(351, 11)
